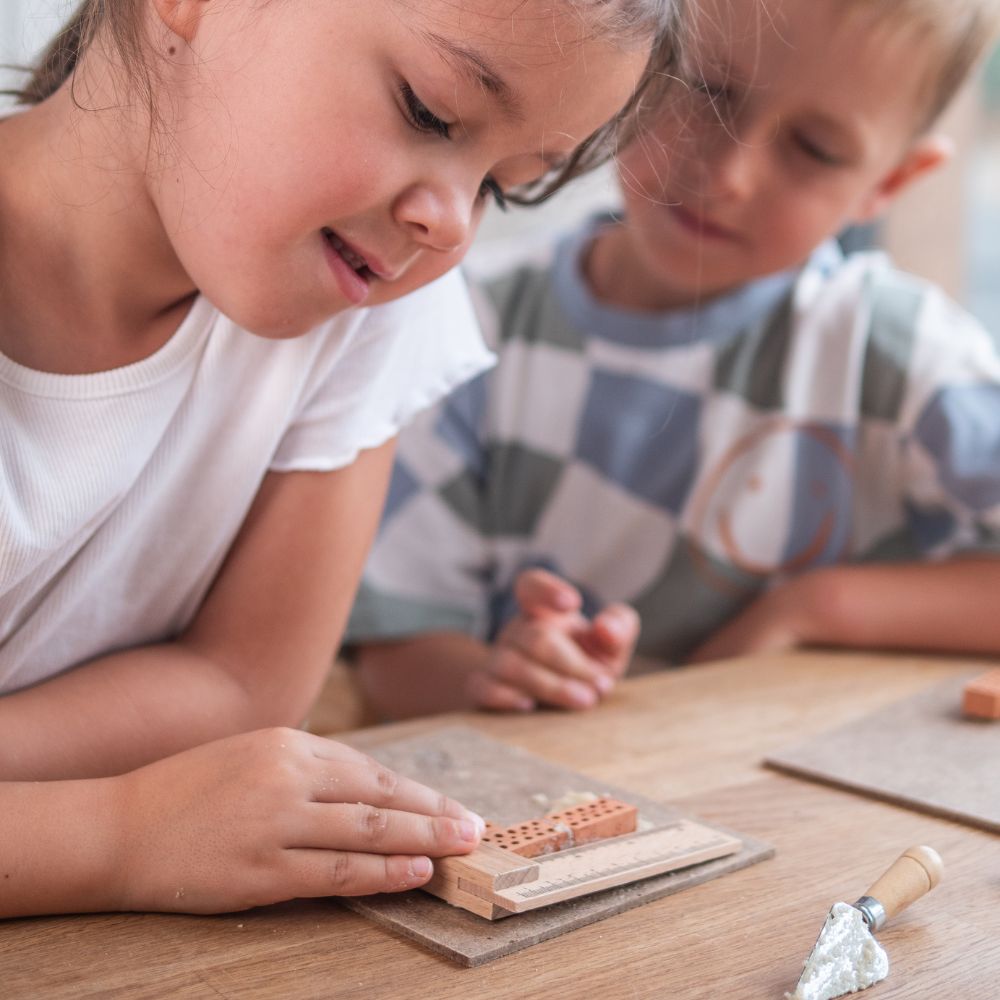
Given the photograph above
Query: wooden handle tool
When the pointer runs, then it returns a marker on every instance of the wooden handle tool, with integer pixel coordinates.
(913, 874)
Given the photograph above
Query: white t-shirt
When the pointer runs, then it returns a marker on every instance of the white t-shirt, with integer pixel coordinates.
(121, 491)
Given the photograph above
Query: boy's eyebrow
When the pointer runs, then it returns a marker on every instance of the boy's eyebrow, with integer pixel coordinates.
(474, 66)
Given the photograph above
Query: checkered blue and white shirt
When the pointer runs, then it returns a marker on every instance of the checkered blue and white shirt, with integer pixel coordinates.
(684, 461)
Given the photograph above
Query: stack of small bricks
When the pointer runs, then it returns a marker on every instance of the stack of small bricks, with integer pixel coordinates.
(500, 861)
(981, 697)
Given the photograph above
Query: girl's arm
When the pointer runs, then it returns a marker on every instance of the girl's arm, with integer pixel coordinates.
(934, 607)
(255, 654)
(253, 819)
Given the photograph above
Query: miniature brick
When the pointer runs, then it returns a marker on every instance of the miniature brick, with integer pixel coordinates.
(605, 817)
(981, 697)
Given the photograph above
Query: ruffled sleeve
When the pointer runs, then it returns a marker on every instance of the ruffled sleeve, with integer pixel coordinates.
(394, 361)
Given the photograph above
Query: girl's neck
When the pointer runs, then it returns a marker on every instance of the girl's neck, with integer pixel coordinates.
(90, 279)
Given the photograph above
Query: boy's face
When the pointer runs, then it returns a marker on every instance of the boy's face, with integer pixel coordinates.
(800, 119)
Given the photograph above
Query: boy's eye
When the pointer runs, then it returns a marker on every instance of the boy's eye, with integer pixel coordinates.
(420, 116)
(488, 188)
(816, 152)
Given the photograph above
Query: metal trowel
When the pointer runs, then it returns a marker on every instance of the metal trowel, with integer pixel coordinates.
(846, 957)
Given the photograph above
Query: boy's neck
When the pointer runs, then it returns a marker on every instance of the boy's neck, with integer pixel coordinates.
(613, 272)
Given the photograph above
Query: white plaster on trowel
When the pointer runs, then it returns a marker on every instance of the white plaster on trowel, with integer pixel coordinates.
(845, 959)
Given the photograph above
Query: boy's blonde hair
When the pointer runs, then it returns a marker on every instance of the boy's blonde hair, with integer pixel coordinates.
(955, 34)
(628, 20)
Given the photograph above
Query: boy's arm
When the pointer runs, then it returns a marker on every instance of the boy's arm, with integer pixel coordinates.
(422, 674)
(255, 655)
(948, 606)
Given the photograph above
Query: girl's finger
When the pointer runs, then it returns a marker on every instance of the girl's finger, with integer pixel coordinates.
(368, 781)
(308, 873)
(356, 826)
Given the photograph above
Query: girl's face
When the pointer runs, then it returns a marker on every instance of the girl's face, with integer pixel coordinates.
(323, 154)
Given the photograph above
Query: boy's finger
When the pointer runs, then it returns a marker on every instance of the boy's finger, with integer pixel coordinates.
(538, 591)
(490, 693)
(616, 628)
(549, 646)
(539, 682)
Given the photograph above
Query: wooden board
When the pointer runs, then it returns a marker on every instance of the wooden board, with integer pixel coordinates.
(506, 785)
(921, 753)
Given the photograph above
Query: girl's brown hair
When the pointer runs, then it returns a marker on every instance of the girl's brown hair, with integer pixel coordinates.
(631, 20)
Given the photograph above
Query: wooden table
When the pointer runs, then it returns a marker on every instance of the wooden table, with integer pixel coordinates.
(693, 736)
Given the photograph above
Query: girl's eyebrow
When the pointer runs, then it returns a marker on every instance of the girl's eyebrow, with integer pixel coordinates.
(477, 68)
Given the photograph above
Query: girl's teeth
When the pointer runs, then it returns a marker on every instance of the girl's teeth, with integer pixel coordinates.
(355, 260)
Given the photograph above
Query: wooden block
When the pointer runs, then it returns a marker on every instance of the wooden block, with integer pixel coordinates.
(981, 696)
(488, 866)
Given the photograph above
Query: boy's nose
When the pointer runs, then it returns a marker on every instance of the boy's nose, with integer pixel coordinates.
(437, 216)
(730, 169)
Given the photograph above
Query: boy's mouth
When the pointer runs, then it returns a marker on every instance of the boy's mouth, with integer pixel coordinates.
(354, 259)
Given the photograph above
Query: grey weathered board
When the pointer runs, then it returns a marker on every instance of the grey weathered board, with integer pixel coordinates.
(920, 752)
(504, 783)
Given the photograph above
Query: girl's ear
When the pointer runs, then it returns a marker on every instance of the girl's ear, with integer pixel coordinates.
(181, 17)
(926, 154)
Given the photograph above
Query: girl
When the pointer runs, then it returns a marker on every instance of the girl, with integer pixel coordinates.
(194, 453)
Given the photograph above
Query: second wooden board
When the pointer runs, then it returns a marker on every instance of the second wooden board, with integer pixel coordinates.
(921, 752)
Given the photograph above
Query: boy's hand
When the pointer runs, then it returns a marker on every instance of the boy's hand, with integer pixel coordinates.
(552, 654)
(275, 814)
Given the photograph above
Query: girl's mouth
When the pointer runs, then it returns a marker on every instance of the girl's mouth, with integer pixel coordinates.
(350, 255)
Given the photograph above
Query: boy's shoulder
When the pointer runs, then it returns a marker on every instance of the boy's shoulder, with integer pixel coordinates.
(866, 290)
(513, 285)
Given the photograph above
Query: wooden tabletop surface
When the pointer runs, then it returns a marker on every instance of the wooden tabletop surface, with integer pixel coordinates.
(694, 737)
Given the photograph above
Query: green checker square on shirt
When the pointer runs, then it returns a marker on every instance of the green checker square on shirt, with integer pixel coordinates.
(752, 365)
(521, 482)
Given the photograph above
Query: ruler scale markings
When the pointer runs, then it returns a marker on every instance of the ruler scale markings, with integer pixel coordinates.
(652, 853)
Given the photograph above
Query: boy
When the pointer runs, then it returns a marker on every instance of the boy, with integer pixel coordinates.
(706, 411)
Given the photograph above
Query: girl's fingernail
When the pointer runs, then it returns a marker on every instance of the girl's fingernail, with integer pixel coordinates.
(468, 830)
(420, 867)
(477, 820)
(582, 695)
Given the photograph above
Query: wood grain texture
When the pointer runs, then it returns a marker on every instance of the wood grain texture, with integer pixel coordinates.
(694, 737)
(921, 752)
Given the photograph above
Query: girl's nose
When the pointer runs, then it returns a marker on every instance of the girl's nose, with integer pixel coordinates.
(439, 216)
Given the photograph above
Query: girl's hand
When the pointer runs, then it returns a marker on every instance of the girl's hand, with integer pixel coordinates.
(275, 814)
(552, 654)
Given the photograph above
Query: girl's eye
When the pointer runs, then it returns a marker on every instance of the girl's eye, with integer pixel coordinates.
(420, 116)
(490, 188)
(815, 152)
